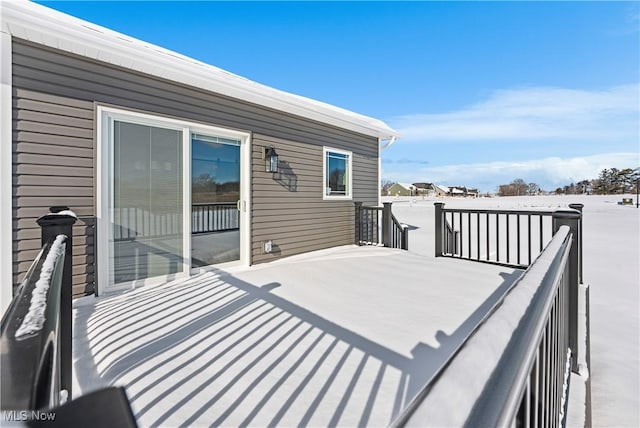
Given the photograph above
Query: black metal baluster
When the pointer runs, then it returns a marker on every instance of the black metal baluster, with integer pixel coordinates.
(366, 231)
(453, 232)
(376, 235)
(461, 235)
(365, 225)
(541, 239)
(529, 236)
(469, 234)
(372, 234)
(508, 238)
(478, 237)
(487, 235)
(518, 227)
(497, 237)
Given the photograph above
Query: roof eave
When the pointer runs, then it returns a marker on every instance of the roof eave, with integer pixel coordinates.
(39, 24)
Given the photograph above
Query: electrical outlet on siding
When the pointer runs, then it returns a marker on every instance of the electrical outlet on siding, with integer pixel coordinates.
(268, 246)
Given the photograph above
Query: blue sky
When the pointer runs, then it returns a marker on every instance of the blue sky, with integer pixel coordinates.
(482, 93)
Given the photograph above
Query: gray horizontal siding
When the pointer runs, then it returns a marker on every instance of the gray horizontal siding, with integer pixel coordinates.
(289, 210)
(53, 165)
(42, 70)
(54, 101)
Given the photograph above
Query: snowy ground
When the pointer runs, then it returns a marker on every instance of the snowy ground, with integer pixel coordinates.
(611, 268)
(342, 337)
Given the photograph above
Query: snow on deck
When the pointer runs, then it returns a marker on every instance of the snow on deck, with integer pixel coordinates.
(339, 337)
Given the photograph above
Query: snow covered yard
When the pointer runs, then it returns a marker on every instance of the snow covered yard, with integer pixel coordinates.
(611, 268)
(345, 337)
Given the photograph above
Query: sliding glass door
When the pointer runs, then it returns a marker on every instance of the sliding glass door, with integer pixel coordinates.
(146, 203)
(171, 195)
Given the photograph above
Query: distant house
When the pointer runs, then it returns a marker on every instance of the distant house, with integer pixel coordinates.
(441, 190)
(473, 193)
(457, 191)
(402, 189)
(424, 189)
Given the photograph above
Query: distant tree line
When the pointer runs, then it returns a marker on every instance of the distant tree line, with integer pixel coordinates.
(609, 181)
(518, 187)
(205, 189)
(385, 185)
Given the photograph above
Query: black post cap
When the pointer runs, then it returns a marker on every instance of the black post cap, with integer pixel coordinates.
(57, 208)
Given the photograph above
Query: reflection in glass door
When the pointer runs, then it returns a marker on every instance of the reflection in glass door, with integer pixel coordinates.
(215, 192)
(145, 203)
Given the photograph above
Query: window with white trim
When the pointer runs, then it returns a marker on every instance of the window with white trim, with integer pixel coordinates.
(337, 174)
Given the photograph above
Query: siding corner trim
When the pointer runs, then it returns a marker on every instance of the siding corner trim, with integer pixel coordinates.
(6, 174)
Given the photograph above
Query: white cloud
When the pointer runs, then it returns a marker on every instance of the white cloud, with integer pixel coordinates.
(533, 113)
(548, 172)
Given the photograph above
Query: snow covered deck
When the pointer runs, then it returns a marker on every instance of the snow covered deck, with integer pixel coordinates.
(339, 337)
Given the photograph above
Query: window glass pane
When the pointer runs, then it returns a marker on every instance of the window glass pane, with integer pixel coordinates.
(337, 174)
(215, 170)
(146, 203)
(215, 191)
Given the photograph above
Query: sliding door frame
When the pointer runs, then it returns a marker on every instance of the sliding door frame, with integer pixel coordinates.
(105, 117)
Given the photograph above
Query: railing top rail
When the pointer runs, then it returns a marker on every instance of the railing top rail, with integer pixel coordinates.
(518, 314)
(214, 203)
(396, 222)
(519, 356)
(499, 211)
(367, 207)
(29, 326)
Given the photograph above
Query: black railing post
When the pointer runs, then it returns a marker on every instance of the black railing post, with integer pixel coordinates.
(57, 223)
(386, 224)
(439, 224)
(358, 223)
(578, 207)
(405, 238)
(571, 218)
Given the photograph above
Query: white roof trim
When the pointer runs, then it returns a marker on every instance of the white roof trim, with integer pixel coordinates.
(39, 24)
(407, 186)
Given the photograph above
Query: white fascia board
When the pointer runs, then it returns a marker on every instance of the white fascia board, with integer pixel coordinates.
(6, 170)
(39, 24)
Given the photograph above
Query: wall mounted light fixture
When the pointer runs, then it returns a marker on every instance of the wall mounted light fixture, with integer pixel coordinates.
(270, 159)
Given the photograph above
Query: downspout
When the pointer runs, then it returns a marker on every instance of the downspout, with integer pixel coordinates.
(389, 143)
(382, 147)
(379, 177)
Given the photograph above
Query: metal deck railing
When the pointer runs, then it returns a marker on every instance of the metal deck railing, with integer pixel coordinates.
(514, 368)
(35, 343)
(378, 226)
(34, 351)
(132, 223)
(505, 237)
